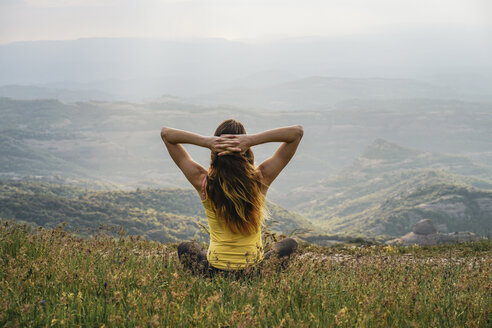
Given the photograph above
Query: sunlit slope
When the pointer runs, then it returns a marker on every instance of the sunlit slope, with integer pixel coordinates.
(389, 188)
(163, 215)
(451, 204)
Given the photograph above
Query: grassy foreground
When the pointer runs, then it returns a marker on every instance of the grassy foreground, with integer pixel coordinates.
(51, 278)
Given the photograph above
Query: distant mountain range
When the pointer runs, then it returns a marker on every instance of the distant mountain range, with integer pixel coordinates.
(324, 93)
(449, 63)
(63, 93)
(269, 91)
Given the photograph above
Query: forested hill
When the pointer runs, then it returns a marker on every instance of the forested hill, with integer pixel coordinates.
(166, 215)
(389, 188)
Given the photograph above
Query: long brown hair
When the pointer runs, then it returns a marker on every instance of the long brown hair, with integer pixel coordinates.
(234, 186)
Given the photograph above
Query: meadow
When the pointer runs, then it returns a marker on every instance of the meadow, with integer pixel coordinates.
(52, 278)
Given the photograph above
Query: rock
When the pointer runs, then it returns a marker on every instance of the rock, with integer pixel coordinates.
(424, 233)
(424, 227)
(434, 239)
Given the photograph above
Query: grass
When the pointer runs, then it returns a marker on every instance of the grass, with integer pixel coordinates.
(50, 278)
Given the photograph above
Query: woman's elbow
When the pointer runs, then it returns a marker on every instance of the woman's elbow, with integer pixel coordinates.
(163, 133)
(300, 131)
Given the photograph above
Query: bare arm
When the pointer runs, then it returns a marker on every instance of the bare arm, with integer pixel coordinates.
(290, 136)
(175, 136)
(286, 134)
(194, 172)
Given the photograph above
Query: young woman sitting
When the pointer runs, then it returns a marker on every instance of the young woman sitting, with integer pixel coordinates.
(233, 193)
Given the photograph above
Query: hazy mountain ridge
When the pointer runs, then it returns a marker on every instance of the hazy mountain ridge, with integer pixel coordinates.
(140, 67)
(119, 142)
(321, 92)
(63, 94)
(262, 91)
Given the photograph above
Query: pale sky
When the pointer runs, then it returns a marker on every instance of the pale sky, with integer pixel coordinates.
(22, 20)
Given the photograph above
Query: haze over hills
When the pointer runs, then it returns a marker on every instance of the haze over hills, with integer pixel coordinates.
(383, 192)
(119, 142)
(319, 92)
(137, 68)
(60, 93)
(91, 110)
(258, 91)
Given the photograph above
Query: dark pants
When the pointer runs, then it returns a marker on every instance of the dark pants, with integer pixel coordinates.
(194, 257)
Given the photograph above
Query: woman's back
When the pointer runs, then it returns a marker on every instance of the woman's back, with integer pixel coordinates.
(230, 250)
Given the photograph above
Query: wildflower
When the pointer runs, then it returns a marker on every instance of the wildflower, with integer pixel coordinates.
(155, 321)
(43, 302)
(105, 284)
(390, 249)
(215, 298)
(341, 316)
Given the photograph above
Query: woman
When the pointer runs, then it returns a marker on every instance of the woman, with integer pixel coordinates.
(233, 193)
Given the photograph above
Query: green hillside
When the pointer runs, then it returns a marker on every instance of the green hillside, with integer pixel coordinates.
(389, 188)
(166, 215)
(392, 211)
(381, 165)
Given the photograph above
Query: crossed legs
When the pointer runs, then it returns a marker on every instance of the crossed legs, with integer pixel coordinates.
(194, 257)
(283, 248)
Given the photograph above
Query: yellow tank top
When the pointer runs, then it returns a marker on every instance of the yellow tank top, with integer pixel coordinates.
(228, 250)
